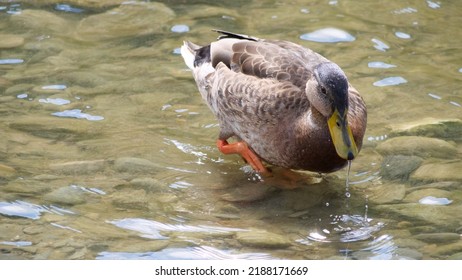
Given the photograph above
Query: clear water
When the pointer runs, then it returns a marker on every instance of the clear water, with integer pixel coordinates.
(108, 152)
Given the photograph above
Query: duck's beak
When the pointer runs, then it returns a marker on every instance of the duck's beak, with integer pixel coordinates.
(341, 135)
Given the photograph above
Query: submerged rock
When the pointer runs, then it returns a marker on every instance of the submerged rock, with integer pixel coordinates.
(132, 18)
(399, 167)
(430, 127)
(135, 165)
(439, 172)
(417, 195)
(388, 193)
(262, 239)
(131, 199)
(424, 147)
(440, 237)
(10, 41)
(69, 195)
(79, 167)
(41, 21)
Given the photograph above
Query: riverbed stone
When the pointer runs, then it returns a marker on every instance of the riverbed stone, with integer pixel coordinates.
(432, 215)
(69, 195)
(387, 193)
(79, 167)
(424, 147)
(407, 253)
(456, 256)
(439, 237)
(42, 21)
(150, 184)
(26, 187)
(135, 165)
(415, 196)
(399, 167)
(430, 127)
(10, 41)
(446, 250)
(445, 171)
(130, 199)
(262, 239)
(132, 18)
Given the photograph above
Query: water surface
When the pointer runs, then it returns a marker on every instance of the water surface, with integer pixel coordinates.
(108, 152)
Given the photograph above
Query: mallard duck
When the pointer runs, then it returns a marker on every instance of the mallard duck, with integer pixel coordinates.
(285, 104)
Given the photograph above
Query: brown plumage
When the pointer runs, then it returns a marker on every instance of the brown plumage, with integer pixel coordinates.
(289, 105)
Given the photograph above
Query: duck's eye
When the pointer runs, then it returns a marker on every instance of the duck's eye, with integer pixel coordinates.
(323, 90)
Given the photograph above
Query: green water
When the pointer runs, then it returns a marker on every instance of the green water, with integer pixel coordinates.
(107, 150)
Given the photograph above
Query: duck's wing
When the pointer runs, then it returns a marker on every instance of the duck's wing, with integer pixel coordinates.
(279, 60)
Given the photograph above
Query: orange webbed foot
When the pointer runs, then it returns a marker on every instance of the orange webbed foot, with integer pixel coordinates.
(242, 149)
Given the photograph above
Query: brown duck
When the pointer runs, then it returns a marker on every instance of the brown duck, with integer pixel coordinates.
(286, 105)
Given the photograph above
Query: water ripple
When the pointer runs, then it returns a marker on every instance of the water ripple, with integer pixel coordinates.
(187, 253)
(390, 81)
(152, 229)
(21, 209)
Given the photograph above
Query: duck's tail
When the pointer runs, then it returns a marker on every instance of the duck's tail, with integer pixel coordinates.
(188, 52)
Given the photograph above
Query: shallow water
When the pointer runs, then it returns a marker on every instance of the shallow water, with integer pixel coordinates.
(108, 152)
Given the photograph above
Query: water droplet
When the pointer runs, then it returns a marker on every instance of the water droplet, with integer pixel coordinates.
(327, 204)
(328, 35)
(348, 194)
(390, 81)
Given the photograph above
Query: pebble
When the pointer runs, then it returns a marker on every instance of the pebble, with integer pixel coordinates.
(130, 199)
(399, 167)
(388, 193)
(149, 184)
(69, 195)
(26, 187)
(42, 21)
(10, 41)
(135, 165)
(429, 214)
(33, 230)
(439, 172)
(129, 19)
(262, 239)
(79, 167)
(446, 250)
(440, 237)
(424, 147)
(408, 253)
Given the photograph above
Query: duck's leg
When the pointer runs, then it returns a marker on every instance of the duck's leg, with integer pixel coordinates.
(242, 149)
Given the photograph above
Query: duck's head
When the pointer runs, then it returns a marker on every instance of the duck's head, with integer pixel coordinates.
(327, 91)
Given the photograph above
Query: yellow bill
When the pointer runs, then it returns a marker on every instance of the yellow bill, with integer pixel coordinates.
(341, 136)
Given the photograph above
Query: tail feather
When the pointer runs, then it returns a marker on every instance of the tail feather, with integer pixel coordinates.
(188, 52)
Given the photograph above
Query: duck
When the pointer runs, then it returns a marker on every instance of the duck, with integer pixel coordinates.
(284, 104)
